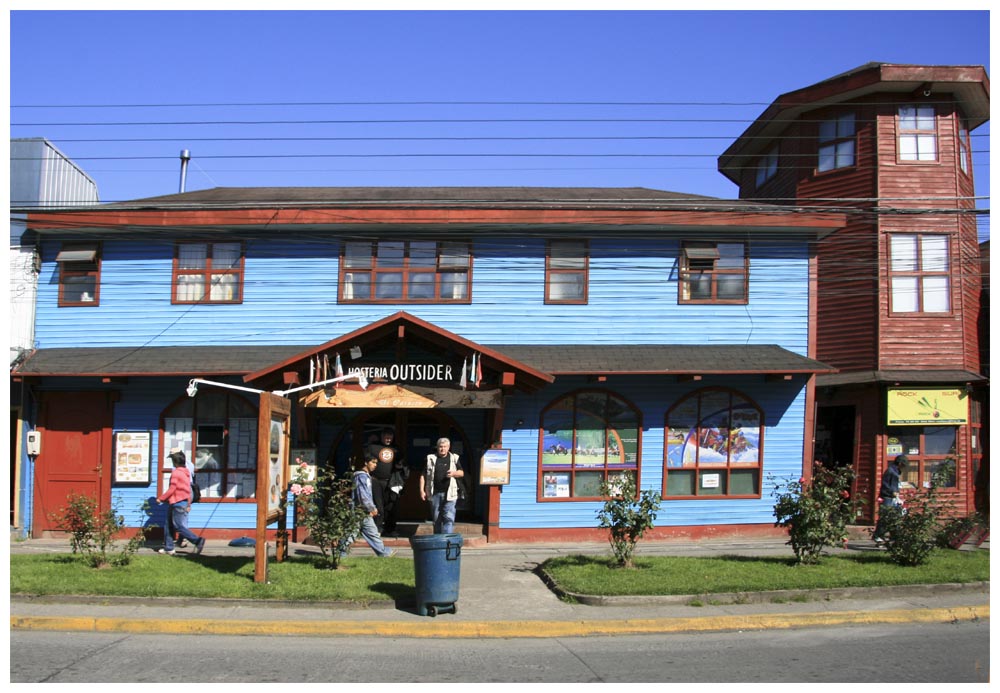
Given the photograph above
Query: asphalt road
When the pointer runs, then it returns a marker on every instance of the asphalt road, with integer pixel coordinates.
(897, 653)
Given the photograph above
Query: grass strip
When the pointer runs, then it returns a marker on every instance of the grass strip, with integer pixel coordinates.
(361, 580)
(681, 575)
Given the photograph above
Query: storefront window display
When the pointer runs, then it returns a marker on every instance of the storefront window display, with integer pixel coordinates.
(713, 446)
(587, 437)
(931, 451)
(217, 432)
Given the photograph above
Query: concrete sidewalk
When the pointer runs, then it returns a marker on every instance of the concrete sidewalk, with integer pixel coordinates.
(502, 596)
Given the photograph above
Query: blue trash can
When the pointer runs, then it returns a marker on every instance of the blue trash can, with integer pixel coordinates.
(437, 562)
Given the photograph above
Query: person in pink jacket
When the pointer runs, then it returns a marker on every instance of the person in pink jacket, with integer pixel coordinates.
(178, 495)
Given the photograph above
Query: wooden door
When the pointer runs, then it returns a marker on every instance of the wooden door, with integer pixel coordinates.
(75, 456)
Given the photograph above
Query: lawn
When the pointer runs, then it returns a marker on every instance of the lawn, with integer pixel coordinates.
(672, 575)
(367, 579)
(361, 580)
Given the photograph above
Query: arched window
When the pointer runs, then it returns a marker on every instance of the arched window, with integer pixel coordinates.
(585, 438)
(714, 446)
(217, 430)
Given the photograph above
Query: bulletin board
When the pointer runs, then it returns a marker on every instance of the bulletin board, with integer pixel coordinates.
(132, 458)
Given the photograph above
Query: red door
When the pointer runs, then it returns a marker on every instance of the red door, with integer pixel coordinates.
(75, 455)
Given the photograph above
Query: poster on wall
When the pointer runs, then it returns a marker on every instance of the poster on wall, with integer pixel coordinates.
(555, 485)
(133, 455)
(303, 461)
(276, 472)
(494, 468)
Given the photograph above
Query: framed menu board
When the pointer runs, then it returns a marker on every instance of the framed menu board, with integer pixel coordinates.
(494, 468)
(132, 458)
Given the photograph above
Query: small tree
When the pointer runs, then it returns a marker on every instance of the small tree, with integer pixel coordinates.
(326, 510)
(627, 515)
(816, 513)
(92, 533)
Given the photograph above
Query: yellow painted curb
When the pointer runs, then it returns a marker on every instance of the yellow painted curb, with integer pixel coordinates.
(497, 629)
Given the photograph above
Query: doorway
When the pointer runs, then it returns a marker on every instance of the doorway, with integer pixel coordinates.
(834, 445)
(416, 433)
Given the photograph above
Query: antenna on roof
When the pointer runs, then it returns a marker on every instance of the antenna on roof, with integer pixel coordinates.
(185, 157)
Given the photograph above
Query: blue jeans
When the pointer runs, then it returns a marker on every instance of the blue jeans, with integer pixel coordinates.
(370, 532)
(443, 513)
(179, 519)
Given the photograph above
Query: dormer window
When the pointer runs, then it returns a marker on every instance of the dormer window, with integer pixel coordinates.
(836, 143)
(917, 133)
(767, 167)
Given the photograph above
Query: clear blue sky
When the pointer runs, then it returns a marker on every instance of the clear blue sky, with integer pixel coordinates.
(709, 73)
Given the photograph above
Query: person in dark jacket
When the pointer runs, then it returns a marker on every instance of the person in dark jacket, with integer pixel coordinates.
(178, 495)
(889, 494)
(362, 497)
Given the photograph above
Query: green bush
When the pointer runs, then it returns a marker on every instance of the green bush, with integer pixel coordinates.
(92, 533)
(326, 511)
(627, 515)
(912, 531)
(816, 512)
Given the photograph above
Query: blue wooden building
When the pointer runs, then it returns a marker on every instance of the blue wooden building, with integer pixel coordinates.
(584, 332)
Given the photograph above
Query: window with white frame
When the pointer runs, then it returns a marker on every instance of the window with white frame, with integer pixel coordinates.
(836, 142)
(919, 279)
(917, 133)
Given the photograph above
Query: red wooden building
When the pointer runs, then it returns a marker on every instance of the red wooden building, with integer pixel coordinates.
(898, 303)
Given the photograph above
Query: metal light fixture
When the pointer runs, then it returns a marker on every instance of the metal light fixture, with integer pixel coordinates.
(192, 388)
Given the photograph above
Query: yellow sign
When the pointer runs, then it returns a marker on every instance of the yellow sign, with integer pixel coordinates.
(922, 407)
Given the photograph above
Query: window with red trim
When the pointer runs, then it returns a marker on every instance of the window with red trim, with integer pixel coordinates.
(713, 273)
(406, 272)
(217, 431)
(79, 274)
(208, 273)
(566, 270)
(586, 438)
(931, 454)
(714, 444)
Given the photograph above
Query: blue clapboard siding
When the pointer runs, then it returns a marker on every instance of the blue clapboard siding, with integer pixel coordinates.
(783, 404)
(290, 297)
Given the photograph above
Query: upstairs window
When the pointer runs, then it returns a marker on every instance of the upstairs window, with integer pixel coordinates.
(208, 273)
(836, 143)
(566, 267)
(917, 133)
(918, 273)
(767, 167)
(79, 274)
(406, 272)
(964, 151)
(714, 273)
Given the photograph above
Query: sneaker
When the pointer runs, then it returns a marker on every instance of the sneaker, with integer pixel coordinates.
(392, 552)
(199, 546)
(182, 543)
(171, 552)
(879, 540)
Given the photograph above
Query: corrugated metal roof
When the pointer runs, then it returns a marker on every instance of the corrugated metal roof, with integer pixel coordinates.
(562, 359)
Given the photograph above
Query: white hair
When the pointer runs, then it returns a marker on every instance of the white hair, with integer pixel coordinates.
(443, 440)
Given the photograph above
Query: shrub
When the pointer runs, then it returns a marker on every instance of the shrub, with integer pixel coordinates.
(627, 515)
(816, 512)
(92, 532)
(913, 531)
(326, 510)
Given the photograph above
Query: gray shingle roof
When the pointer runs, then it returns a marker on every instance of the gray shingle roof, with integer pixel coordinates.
(560, 359)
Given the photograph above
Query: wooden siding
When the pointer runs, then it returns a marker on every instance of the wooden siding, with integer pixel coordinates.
(783, 405)
(290, 297)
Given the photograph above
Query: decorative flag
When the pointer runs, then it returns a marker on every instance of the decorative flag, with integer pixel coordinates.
(312, 372)
(461, 383)
(326, 367)
(338, 369)
(472, 369)
(479, 370)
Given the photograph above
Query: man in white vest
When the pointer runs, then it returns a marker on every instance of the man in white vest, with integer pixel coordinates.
(439, 485)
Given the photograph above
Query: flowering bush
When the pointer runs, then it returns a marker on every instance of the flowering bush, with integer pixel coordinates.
(912, 532)
(92, 532)
(326, 511)
(816, 513)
